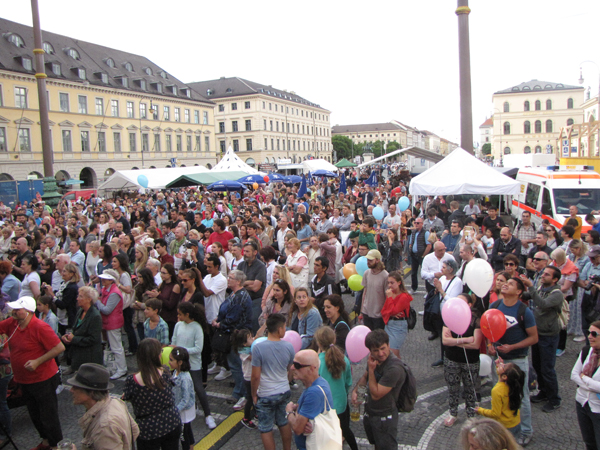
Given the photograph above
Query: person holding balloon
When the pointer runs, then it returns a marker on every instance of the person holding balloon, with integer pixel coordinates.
(461, 353)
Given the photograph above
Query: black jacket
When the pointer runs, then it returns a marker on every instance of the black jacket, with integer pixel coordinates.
(501, 249)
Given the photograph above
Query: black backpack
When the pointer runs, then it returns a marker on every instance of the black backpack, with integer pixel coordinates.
(407, 396)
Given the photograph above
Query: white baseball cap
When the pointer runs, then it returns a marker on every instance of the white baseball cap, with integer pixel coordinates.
(27, 303)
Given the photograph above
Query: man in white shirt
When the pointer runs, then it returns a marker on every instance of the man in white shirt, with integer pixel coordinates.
(154, 265)
(432, 264)
(393, 220)
(471, 208)
(77, 256)
(213, 286)
(283, 229)
(235, 248)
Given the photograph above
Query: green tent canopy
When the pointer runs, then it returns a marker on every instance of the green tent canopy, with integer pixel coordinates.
(344, 163)
(205, 178)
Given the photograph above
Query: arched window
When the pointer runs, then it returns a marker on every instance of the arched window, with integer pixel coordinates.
(506, 127)
(548, 104)
(110, 62)
(527, 127)
(569, 122)
(507, 150)
(548, 126)
(570, 103)
(538, 149)
(506, 107)
(538, 126)
(527, 150)
(526, 105)
(538, 105)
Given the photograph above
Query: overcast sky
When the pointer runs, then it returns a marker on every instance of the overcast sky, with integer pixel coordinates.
(365, 62)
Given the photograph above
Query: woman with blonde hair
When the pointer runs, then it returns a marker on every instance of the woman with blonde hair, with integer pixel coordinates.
(582, 261)
(280, 272)
(304, 318)
(141, 257)
(486, 434)
(297, 264)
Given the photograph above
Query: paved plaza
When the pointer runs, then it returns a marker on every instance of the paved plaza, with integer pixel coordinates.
(422, 429)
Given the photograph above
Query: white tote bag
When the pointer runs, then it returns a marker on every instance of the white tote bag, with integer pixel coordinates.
(326, 434)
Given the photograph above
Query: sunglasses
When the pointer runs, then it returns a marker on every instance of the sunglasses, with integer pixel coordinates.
(299, 366)
(185, 280)
(537, 259)
(594, 334)
(508, 264)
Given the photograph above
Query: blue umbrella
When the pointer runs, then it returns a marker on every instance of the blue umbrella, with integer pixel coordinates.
(293, 179)
(324, 173)
(372, 180)
(309, 179)
(226, 185)
(251, 179)
(302, 189)
(276, 177)
(343, 189)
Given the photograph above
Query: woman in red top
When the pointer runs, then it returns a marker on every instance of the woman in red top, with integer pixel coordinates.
(395, 311)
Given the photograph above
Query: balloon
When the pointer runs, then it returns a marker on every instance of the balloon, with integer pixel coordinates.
(355, 283)
(255, 186)
(493, 324)
(293, 338)
(166, 352)
(361, 265)
(403, 203)
(220, 207)
(143, 181)
(355, 343)
(349, 270)
(457, 315)
(378, 213)
(485, 365)
(266, 178)
(257, 341)
(479, 276)
(209, 249)
(395, 191)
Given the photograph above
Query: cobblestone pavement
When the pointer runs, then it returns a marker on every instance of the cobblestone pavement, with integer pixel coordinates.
(422, 429)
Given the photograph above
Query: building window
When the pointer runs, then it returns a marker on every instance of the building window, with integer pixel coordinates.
(101, 141)
(82, 103)
(221, 108)
(186, 115)
(277, 126)
(221, 127)
(538, 149)
(143, 111)
(271, 125)
(507, 150)
(168, 143)
(132, 142)
(145, 142)
(527, 150)
(117, 142)
(85, 141)
(63, 102)
(272, 144)
(538, 105)
(548, 126)
(156, 146)
(188, 143)
(538, 126)
(196, 116)
(569, 122)
(234, 125)
(248, 145)
(234, 106)
(266, 141)
(130, 113)
(114, 107)
(548, 104)
(166, 113)
(3, 146)
(99, 106)
(205, 117)
(236, 145)
(206, 144)
(246, 105)
(570, 103)
(270, 107)
(24, 140)
(527, 127)
(222, 146)
(506, 127)
(179, 143)
(73, 53)
(526, 105)
(66, 141)
(198, 142)
(248, 125)
(154, 109)
(277, 144)
(506, 107)
(177, 115)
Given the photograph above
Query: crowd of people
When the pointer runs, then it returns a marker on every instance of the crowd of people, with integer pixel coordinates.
(199, 276)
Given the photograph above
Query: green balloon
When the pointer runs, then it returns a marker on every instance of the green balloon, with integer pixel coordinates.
(355, 283)
(164, 357)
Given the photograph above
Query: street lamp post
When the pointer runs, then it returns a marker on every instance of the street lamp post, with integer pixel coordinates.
(464, 61)
(51, 196)
(598, 114)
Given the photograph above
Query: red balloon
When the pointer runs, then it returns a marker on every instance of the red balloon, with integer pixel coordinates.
(493, 324)
(266, 178)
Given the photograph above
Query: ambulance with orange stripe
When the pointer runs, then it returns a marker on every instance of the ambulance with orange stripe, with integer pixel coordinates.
(548, 192)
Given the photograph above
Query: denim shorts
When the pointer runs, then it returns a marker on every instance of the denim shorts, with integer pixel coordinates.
(397, 330)
(271, 411)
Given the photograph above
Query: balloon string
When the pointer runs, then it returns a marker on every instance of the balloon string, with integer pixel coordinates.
(470, 373)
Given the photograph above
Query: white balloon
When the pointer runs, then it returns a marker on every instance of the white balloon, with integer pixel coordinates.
(485, 365)
(479, 276)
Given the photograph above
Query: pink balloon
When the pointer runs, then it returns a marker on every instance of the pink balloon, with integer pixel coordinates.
(209, 249)
(293, 338)
(220, 207)
(457, 315)
(355, 343)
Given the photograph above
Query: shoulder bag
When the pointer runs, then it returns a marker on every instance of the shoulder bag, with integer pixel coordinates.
(327, 433)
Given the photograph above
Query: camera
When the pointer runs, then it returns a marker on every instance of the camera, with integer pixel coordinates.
(594, 279)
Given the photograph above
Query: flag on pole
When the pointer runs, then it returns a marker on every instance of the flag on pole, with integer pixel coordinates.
(343, 189)
(309, 179)
(302, 189)
(372, 180)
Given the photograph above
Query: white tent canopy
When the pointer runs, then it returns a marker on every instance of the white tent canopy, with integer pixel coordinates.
(232, 163)
(310, 165)
(462, 173)
(157, 178)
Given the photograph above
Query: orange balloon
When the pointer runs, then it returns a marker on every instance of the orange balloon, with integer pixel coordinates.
(349, 270)
(255, 185)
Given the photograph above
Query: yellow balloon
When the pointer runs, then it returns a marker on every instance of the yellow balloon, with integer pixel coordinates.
(355, 283)
(349, 270)
(164, 357)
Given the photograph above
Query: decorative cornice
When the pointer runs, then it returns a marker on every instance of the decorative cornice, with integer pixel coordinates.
(66, 123)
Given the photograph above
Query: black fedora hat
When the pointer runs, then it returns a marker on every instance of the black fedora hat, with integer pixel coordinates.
(93, 377)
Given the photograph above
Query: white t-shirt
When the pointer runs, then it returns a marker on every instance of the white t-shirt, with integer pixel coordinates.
(474, 210)
(25, 289)
(212, 303)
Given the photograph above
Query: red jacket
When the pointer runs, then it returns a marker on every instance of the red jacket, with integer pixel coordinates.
(114, 320)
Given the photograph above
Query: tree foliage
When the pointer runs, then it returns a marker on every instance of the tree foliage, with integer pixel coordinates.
(486, 149)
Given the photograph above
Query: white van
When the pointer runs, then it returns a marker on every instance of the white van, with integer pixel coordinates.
(548, 192)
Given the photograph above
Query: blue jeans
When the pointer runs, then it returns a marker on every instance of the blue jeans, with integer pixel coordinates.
(523, 363)
(397, 330)
(4, 411)
(235, 365)
(271, 410)
(543, 357)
